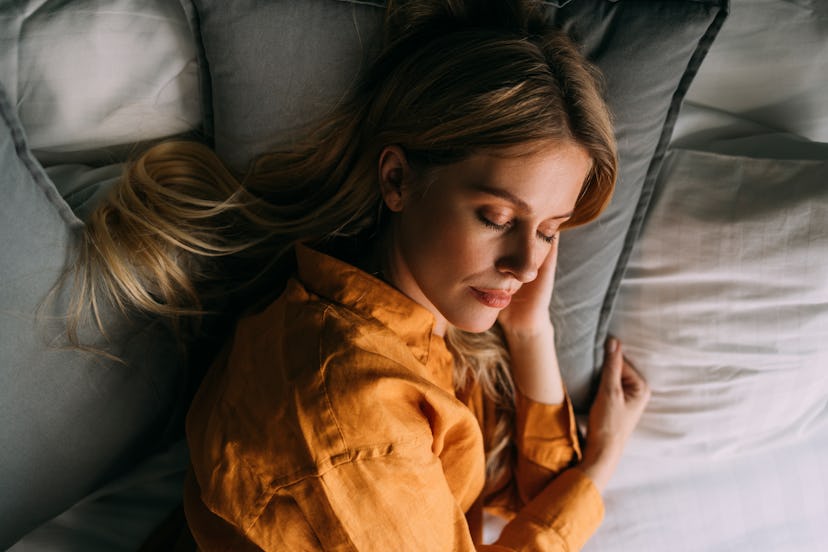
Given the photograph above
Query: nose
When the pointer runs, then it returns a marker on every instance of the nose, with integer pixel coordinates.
(520, 259)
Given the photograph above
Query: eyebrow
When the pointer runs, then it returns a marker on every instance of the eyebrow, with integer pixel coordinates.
(511, 198)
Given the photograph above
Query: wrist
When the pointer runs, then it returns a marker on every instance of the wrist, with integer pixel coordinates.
(534, 363)
(599, 463)
(598, 473)
(542, 329)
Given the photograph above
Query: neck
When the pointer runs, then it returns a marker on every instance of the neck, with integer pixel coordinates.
(395, 271)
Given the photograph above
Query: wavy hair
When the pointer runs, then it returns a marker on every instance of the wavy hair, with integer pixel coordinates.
(180, 235)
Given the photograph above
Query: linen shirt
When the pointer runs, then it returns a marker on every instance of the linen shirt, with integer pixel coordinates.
(330, 422)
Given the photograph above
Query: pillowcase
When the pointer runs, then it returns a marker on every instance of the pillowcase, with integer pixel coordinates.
(121, 515)
(72, 420)
(271, 67)
(770, 65)
(649, 53)
(88, 75)
(723, 307)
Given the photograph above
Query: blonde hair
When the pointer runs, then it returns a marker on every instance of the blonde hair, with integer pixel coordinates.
(180, 235)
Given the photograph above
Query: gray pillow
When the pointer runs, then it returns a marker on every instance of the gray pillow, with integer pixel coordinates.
(270, 67)
(71, 420)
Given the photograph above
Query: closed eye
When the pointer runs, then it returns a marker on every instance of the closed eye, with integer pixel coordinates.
(493, 225)
(506, 225)
(547, 239)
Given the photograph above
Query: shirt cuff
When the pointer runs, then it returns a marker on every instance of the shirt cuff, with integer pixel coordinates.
(546, 434)
(566, 513)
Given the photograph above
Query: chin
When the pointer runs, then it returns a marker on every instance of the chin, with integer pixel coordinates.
(479, 325)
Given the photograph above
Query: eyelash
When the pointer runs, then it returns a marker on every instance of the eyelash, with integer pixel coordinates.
(503, 227)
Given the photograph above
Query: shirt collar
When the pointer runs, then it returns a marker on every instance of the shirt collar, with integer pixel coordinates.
(370, 297)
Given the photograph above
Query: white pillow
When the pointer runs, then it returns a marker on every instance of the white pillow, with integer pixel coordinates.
(89, 74)
(769, 64)
(724, 305)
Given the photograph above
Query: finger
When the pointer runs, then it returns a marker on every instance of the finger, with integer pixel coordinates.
(552, 256)
(630, 374)
(613, 362)
(546, 271)
(634, 384)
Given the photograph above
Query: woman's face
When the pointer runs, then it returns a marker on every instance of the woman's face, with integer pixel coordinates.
(470, 236)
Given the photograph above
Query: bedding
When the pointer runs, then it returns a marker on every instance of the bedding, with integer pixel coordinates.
(771, 500)
(771, 66)
(90, 78)
(724, 306)
(724, 309)
(649, 54)
(73, 420)
(725, 302)
(731, 453)
(81, 81)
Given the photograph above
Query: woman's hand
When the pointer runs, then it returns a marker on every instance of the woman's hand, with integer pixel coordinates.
(528, 313)
(622, 396)
(531, 337)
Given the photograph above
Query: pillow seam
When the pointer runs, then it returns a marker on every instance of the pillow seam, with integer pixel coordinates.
(32, 166)
(651, 177)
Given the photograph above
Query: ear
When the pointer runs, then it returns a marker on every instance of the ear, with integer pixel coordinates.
(395, 176)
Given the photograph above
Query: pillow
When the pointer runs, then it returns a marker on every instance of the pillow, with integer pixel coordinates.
(770, 65)
(91, 74)
(119, 516)
(72, 420)
(723, 307)
(274, 66)
(649, 53)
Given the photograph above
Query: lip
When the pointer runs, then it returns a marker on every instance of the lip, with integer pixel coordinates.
(494, 298)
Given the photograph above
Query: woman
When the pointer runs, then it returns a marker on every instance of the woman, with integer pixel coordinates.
(406, 376)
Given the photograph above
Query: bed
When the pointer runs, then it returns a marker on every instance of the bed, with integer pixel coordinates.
(711, 263)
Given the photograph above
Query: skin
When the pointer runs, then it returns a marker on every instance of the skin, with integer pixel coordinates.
(485, 224)
(475, 242)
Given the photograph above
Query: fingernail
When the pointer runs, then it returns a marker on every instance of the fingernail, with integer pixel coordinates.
(613, 344)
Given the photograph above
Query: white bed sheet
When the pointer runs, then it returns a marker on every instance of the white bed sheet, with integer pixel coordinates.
(775, 500)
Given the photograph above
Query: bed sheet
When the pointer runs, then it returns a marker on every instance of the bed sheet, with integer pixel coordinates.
(770, 501)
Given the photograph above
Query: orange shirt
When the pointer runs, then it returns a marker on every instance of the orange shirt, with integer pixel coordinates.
(331, 423)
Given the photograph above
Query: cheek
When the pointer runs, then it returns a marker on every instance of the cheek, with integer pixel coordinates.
(444, 244)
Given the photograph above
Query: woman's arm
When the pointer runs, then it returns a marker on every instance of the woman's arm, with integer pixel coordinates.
(535, 364)
(622, 395)
(530, 336)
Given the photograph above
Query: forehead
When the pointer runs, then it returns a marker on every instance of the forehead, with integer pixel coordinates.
(539, 178)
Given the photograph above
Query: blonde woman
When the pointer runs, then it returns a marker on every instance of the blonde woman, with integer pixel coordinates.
(405, 378)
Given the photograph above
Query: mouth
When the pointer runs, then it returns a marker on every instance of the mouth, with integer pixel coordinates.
(494, 298)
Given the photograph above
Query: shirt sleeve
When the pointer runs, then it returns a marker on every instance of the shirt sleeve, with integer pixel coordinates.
(388, 503)
(371, 503)
(561, 517)
(397, 497)
(552, 505)
(546, 438)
